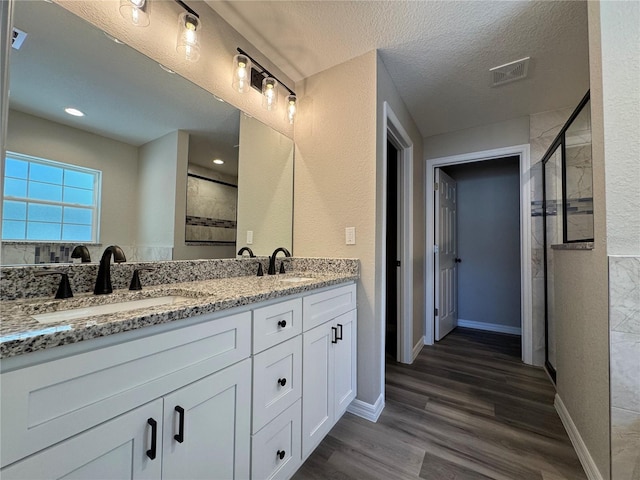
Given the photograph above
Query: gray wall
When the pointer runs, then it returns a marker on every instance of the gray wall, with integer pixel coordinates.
(489, 241)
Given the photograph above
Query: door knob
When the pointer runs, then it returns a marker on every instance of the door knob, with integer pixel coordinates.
(282, 323)
(458, 260)
(282, 382)
(280, 454)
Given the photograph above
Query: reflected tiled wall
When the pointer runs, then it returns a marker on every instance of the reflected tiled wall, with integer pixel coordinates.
(543, 129)
(20, 253)
(624, 317)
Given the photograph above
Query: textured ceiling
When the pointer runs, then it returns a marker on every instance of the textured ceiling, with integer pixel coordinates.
(438, 53)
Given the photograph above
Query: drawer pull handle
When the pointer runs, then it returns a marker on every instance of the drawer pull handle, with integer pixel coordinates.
(180, 436)
(282, 382)
(151, 453)
(339, 336)
(334, 335)
(280, 454)
(282, 323)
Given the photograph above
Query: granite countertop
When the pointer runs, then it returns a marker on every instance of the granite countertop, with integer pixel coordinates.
(20, 333)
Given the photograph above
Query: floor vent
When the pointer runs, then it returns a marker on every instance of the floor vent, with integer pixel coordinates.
(17, 38)
(509, 72)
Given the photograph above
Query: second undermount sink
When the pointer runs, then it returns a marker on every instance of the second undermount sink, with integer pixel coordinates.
(86, 312)
(296, 279)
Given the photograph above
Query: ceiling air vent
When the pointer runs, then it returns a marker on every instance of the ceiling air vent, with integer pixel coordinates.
(509, 72)
(17, 38)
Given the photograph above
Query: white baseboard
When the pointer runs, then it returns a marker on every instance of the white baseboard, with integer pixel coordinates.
(366, 410)
(491, 327)
(586, 460)
(417, 348)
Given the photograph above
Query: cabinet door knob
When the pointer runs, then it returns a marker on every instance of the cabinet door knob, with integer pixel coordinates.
(334, 335)
(280, 454)
(179, 437)
(282, 323)
(339, 335)
(282, 382)
(151, 453)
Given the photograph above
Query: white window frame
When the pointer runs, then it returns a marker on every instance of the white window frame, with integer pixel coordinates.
(97, 191)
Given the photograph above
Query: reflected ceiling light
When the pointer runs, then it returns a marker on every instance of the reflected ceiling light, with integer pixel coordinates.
(166, 69)
(241, 73)
(246, 67)
(136, 11)
(74, 111)
(217, 161)
(218, 98)
(292, 106)
(189, 26)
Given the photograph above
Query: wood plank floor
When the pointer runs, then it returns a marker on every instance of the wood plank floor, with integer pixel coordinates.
(466, 409)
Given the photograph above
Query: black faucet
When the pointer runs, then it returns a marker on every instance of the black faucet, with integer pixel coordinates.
(272, 259)
(80, 251)
(246, 249)
(64, 288)
(103, 282)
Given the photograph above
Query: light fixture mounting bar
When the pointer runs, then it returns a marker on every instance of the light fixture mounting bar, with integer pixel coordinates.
(187, 8)
(264, 71)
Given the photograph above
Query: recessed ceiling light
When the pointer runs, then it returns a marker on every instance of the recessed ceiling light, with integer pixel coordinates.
(217, 161)
(74, 111)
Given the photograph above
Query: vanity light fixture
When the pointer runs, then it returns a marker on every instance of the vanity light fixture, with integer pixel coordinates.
(74, 111)
(217, 161)
(292, 107)
(241, 73)
(136, 11)
(189, 27)
(262, 80)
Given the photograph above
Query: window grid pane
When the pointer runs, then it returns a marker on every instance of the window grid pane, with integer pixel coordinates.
(57, 203)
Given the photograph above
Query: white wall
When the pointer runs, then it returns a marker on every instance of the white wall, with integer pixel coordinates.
(265, 187)
(335, 187)
(157, 196)
(485, 137)
(118, 162)
(488, 221)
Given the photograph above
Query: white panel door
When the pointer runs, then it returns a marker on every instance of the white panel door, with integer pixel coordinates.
(345, 362)
(446, 281)
(120, 448)
(207, 427)
(317, 385)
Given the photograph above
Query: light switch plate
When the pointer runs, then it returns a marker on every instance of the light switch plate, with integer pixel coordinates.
(350, 235)
(249, 237)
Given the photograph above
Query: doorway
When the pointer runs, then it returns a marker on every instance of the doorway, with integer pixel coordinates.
(482, 257)
(524, 205)
(392, 339)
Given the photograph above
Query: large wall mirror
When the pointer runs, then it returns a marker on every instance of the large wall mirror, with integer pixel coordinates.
(151, 134)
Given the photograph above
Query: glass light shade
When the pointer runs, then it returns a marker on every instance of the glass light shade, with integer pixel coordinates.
(292, 108)
(188, 44)
(269, 93)
(241, 73)
(136, 11)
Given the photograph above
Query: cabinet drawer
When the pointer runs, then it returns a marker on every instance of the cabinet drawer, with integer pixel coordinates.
(280, 438)
(46, 403)
(322, 307)
(276, 323)
(277, 381)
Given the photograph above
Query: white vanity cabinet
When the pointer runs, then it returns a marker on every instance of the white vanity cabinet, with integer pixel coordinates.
(329, 362)
(246, 394)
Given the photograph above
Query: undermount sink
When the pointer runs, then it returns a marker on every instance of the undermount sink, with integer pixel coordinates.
(85, 312)
(296, 279)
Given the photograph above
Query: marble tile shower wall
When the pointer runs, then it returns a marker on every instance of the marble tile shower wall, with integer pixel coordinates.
(543, 129)
(21, 253)
(624, 317)
(18, 282)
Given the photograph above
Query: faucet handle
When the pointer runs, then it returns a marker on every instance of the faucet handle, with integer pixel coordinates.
(135, 279)
(260, 270)
(282, 267)
(64, 288)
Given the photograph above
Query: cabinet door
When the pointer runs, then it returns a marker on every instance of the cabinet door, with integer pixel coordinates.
(345, 362)
(317, 386)
(206, 432)
(115, 449)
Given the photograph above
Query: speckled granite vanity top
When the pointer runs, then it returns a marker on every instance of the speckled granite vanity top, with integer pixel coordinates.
(20, 333)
